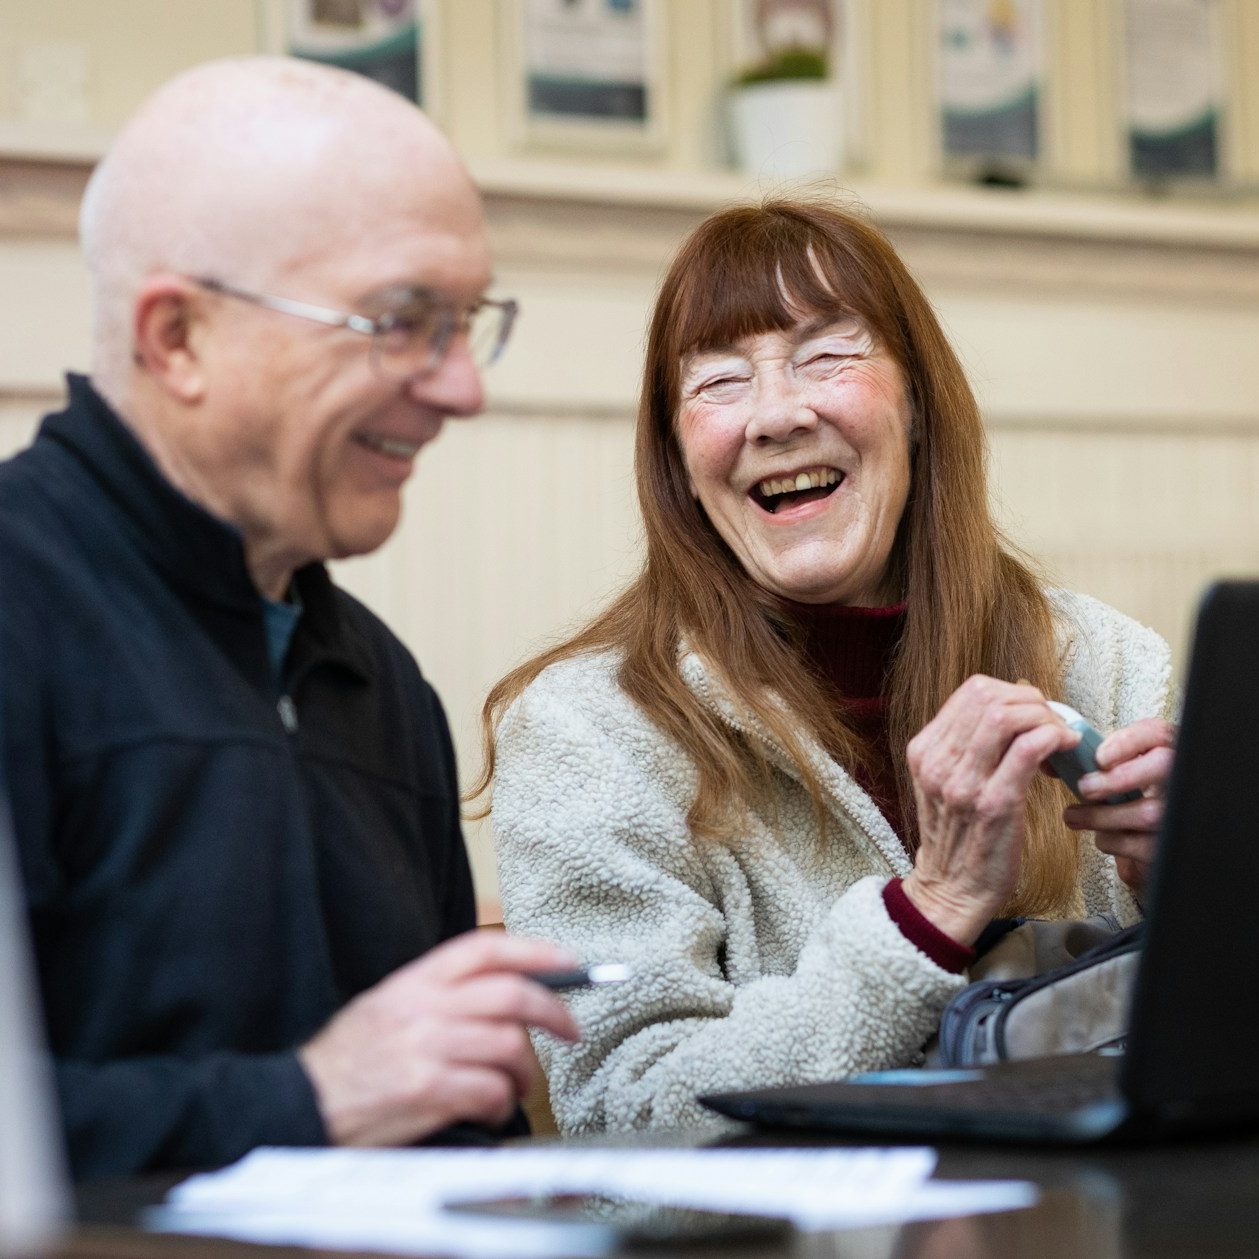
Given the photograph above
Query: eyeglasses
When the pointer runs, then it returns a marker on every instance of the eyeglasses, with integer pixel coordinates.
(410, 341)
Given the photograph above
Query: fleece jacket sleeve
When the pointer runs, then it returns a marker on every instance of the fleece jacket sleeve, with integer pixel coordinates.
(595, 853)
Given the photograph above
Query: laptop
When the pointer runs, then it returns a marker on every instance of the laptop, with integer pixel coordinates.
(34, 1188)
(1189, 1063)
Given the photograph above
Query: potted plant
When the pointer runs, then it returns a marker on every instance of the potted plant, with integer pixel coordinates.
(786, 116)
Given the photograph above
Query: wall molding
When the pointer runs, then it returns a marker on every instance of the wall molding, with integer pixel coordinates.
(22, 395)
(1021, 252)
(556, 216)
(41, 199)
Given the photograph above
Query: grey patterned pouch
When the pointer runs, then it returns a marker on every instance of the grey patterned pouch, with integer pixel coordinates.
(1044, 988)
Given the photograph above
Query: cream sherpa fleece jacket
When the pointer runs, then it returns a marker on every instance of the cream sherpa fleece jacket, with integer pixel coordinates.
(767, 959)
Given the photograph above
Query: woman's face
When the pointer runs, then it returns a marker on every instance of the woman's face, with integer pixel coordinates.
(820, 408)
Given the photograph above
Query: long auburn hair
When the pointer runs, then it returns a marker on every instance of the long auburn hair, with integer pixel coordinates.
(974, 604)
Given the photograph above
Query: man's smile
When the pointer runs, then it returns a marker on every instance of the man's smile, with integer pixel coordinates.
(394, 446)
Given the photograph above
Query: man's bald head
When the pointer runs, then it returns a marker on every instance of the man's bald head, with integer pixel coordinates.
(241, 169)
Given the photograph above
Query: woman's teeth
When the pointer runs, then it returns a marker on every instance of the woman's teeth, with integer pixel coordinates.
(814, 480)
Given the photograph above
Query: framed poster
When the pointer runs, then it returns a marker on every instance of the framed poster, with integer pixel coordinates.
(762, 28)
(391, 41)
(990, 83)
(586, 73)
(1173, 52)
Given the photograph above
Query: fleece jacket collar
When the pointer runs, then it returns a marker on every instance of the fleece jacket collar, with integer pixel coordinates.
(847, 800)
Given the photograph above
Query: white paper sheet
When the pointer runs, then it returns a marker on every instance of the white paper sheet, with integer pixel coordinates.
(392, 1199)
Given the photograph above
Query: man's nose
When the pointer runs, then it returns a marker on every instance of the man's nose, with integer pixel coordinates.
(780, 410)
(454, 386)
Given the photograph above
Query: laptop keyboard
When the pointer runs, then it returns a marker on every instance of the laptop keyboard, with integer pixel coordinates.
(1072, 1097)
(1043, 1086)
(1041, 1094)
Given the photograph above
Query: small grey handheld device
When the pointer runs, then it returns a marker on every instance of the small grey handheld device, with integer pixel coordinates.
(1082, 759)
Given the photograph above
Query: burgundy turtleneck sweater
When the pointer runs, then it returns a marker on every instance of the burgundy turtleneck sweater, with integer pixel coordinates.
(852, 649)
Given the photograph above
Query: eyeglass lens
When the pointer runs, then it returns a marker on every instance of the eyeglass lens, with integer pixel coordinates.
(415, 343)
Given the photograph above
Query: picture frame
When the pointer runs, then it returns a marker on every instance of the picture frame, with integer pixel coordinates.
(1173, 72)
(992, 79)
(585, 75)
(394, 42)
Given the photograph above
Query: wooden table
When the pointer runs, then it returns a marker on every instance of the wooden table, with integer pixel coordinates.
(1184, 1199)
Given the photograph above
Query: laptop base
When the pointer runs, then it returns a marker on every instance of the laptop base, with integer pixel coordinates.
(1069, 1100)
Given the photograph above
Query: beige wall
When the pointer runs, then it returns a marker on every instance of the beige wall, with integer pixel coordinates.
(1110, 340)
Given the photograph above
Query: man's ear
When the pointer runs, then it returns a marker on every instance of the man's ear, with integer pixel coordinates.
(166, 317)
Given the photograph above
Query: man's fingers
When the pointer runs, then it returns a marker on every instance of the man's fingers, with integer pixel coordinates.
(479, 1094)
(512, 998)
(483, 952)
(498, 1045)
(483, 1043)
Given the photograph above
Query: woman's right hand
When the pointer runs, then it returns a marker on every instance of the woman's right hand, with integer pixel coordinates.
(971, 766)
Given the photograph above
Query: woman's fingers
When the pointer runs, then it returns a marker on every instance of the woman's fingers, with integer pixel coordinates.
(1143, 771)
(1136, 874)
(1144, 815)
(1137, 757)
(1132, 741)
(1133, 852)
(1027, 752)
(961, 748)
(972, 767)
(1130, 845)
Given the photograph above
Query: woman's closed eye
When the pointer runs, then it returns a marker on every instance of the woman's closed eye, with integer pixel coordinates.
(822, 364)
(715, 376)
(724, 386)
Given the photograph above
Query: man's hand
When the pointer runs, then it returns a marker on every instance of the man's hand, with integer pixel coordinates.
(440, 1040)
(972, 765)
(1136, 758)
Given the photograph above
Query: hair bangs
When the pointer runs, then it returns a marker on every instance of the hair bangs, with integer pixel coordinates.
(762, 269)
(733, 293)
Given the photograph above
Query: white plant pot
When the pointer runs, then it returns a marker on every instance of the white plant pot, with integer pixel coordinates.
(789, 129)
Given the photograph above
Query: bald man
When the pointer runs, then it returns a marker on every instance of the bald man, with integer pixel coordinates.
(233, 791)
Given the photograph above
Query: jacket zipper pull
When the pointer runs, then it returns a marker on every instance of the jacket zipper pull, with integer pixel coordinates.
(288, 713)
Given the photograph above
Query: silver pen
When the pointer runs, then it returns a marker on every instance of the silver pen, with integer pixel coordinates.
(582, 976)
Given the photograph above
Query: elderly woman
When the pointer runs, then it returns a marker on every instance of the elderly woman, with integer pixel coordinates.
(796, 767)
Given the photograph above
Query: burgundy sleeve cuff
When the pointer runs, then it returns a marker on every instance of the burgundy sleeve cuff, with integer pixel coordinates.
(922, 933)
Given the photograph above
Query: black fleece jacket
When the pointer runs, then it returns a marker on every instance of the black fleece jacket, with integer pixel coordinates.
(210, 875)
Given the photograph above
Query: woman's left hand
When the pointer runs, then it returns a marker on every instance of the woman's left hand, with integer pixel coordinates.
(1135, 758)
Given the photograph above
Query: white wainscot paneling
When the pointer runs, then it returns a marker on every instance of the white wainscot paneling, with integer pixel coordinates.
(19, 417)
(516, 527)
(1142, 520)
(577, 347)
(45, 325)
(1046, 359)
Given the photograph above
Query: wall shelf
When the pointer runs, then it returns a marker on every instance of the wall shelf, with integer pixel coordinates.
(1202, 222)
